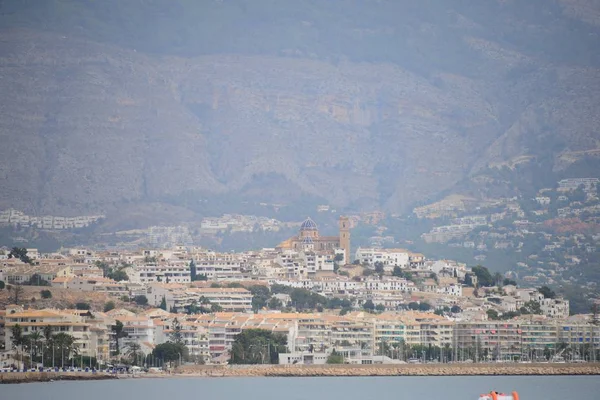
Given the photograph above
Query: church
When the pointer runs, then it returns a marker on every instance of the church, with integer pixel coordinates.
(308, 239)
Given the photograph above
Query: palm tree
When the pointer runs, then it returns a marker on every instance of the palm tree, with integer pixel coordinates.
(49, 339)
(66, 345)
(17, 338)
(48, 333)
(133, 352)
(34, 339)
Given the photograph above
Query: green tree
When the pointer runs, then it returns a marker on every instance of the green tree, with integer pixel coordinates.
(34, 340)
(163, 303)
(368, 305)
(367, 272)
(303, 299)
(83, 306)
(170, 351)
(109, 305)
(2, 285)
(17, 293)
(335, 358)
(150, 260)
(47, 333)
(134, 350)
(510, 315)
(379, 268)
(397, 271)
(380, 308)
(119, 275)
(176, 334)
(17, 335)
(103, 266)
(260, 296)
(507, 282)
(193, 271)
(468, 280)
(36, 280)
(498, 279)
(141, 300)
(492, 314)
(65, 346)
(484, 277)
(46, 294)
(277, 288)
(215, 308)
(274, 303)
(531, 307)
(193, 308)
(21, 254)
(118, 333)
(257, 346)
(547, 292)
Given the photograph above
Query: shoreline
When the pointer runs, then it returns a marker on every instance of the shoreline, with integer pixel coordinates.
(387, 370)
(32, 377)
(300, 371)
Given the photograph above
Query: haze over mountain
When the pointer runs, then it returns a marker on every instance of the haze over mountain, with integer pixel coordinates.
(360, 104)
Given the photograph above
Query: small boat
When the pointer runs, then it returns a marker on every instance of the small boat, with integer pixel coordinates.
(499, 396)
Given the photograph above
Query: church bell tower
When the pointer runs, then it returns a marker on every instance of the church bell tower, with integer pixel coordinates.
(345, 237)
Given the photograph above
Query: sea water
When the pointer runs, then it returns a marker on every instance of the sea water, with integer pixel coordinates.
(326, 388)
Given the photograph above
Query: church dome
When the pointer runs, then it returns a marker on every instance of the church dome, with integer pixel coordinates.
(308, 225)
(307, 240)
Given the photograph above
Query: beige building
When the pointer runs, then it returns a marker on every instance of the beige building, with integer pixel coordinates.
(60, 321)
(309, 239)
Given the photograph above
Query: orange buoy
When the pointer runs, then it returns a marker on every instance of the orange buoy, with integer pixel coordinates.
(494, 395)
(515, 396)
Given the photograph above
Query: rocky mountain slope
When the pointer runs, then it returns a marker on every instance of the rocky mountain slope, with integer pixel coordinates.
(377, 104)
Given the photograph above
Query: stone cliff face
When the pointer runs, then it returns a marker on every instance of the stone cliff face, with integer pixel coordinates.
(89, 127)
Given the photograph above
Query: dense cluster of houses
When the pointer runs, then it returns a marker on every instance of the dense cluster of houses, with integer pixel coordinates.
(392, 297)
(359, 336)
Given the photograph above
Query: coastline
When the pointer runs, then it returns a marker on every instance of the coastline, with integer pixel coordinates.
(224, 371)
(387, 370)
(31, 377)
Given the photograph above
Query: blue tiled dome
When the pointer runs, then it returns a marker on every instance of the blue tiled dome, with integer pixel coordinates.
(307, 240)
(308, 225)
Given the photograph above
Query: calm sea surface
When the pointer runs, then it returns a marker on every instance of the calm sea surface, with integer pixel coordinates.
(367, 388)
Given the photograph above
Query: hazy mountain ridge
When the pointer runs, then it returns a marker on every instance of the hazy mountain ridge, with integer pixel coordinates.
(90, 126)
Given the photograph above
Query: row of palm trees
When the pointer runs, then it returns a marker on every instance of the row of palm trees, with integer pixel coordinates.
(59, 349)
(47, 347)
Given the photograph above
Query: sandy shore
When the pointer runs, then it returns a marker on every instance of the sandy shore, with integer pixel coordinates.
(389, 370)
(28, 377)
